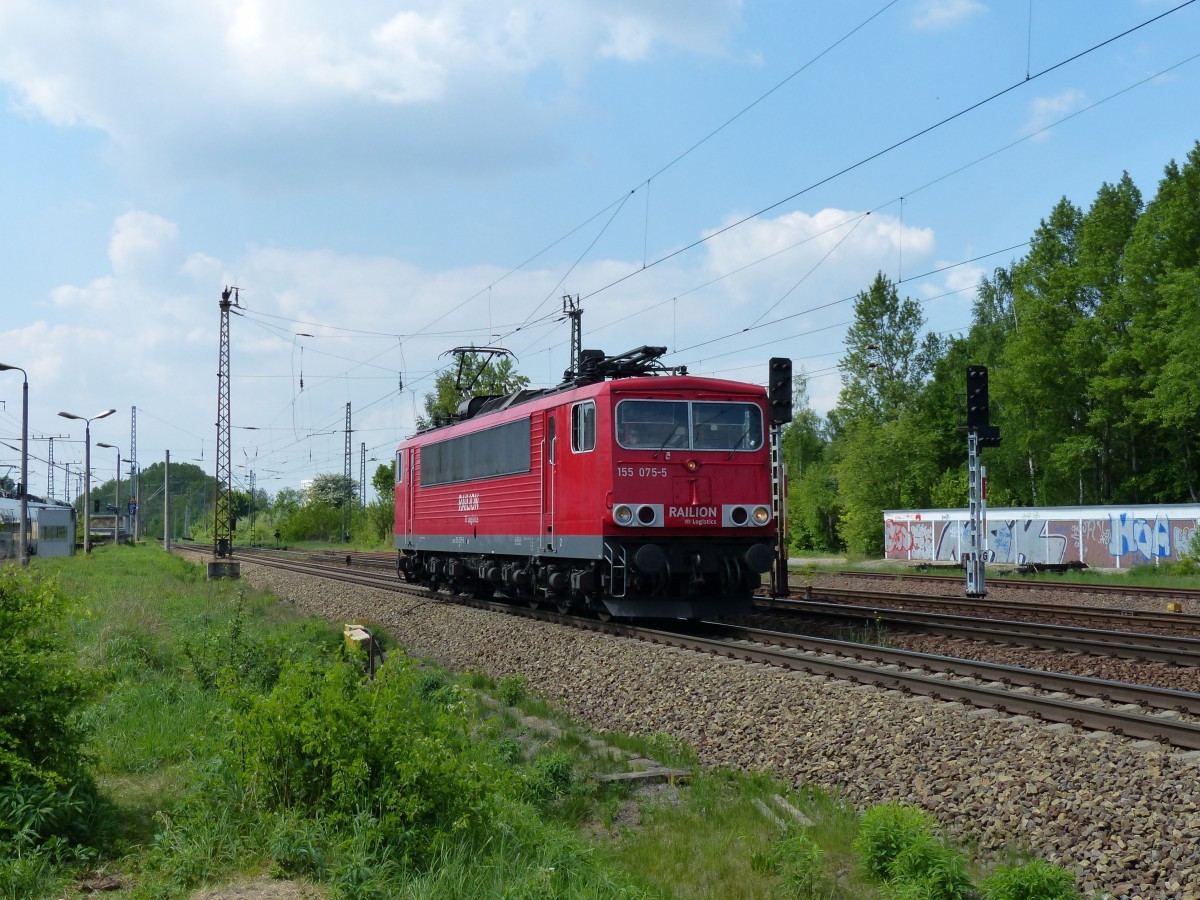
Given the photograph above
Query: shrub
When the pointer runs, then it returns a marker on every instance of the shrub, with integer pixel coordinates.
(41, 687)
(1035, 880)
(374, 754)
(929, 870)
(298, 845)
(550, 776)
(511, 690)
(797, 859)
(885, 832)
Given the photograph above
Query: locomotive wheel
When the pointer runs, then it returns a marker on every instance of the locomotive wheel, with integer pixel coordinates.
(603, 614)
(563, 607)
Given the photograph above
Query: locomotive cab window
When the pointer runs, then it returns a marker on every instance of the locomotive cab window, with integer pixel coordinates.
(682, 425)
(652, 424)
(726, 426)
(583, 427)
(399, 464)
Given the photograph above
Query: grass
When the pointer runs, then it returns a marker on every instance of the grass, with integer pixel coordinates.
(190, 673)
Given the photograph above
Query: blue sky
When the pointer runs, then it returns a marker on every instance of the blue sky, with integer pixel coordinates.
(385, 181)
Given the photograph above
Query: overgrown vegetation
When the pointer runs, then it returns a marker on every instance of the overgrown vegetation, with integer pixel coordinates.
(175, 732)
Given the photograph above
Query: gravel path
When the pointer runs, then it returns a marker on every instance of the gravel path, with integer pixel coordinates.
(1124, 815)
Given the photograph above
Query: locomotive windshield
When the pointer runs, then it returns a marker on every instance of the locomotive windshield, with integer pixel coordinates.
(683, 425)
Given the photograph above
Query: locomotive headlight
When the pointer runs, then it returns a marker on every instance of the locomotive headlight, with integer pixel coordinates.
(762, 515)
(622, 514)
(692, 465)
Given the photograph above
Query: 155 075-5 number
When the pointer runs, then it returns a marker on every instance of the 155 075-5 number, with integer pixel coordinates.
(641, 472)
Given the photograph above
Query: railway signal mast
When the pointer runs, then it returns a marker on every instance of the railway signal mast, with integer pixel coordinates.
(779, 406)
(980, 434)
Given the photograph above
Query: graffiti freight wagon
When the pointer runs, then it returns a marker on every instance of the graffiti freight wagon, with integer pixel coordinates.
(1116, 537)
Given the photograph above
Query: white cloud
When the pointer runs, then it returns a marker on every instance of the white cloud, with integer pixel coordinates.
(1044, 111)
(937, 15)
(193, 89)
(140, 239)
(829, 247)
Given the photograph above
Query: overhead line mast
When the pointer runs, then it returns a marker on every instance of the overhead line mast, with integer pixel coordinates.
(223, 507)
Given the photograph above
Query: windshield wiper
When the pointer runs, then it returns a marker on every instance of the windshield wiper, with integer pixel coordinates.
(734, 448)
(674, 431)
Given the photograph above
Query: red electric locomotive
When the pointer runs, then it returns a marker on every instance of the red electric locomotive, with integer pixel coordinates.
(629, 491)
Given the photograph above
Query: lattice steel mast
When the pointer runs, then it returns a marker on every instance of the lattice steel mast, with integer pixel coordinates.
(346, 486)
(134, 474)
(223, 507)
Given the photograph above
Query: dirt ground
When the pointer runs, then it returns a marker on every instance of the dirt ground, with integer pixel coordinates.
(262, 888)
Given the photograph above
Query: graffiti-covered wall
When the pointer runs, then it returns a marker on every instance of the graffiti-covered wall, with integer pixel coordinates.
(1116, 537)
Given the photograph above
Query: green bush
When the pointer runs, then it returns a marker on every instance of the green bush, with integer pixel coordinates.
(41, 686)
(550, 777)
(1035, 880)
(373, 754)
(926, 869)
(885, 832)
(50, 811)
(298, 845)
(797, 859)
(511, 690)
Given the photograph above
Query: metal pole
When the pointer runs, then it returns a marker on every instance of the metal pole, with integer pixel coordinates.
(87, 473)
(779, 572)
(167, 503)
(117, 503)
(346, 487)
(134, 492)
(223, 484)
(87, 487)
(24, 471)
(975, 562)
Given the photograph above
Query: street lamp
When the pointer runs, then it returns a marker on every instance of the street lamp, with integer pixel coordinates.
(23, 543)
(87, 473)
(116, 494)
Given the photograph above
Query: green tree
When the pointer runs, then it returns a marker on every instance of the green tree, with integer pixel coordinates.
(1161, 260)
(384, 483)
(1039, 378)
(1116, 381)
(191, 497)
(882, 456)
(333, 489)
(481, 375)
(287, 500)
(812, 494)
(886, 360)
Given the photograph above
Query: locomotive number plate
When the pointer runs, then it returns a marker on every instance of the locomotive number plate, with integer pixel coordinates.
(641, 471)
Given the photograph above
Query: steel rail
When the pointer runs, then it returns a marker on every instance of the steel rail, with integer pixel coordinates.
(1094, 641)
(1142, 618)
(997, 580)
(1146, 696)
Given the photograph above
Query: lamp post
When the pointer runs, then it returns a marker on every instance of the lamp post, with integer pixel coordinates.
(87, 473)
(23, 543)
(116, 494)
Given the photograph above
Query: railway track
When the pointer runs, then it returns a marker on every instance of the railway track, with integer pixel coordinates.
(1122, 619)
(1035, 584)
(1181, 651)
(1135, 711)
